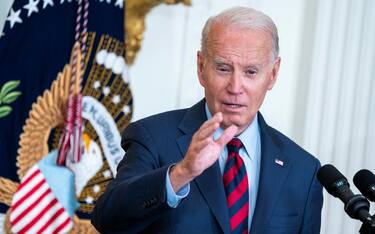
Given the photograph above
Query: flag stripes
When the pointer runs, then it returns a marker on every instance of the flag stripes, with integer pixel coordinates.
(35, 208)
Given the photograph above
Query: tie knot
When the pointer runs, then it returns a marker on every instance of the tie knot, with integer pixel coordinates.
(234, 145)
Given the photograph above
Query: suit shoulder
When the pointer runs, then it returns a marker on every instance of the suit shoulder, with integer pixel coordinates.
(168, 118)
(292, 149)
(165, 122)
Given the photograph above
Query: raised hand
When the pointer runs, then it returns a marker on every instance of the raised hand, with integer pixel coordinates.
(202, 152)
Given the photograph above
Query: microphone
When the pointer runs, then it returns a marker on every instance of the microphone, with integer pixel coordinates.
(364, 180)
(356, 206)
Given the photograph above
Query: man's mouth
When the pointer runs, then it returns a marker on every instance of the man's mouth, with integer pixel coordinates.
(232, 105)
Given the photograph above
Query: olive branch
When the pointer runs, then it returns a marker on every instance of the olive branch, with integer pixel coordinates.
(7, 96)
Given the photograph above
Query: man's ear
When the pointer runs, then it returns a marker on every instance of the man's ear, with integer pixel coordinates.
(200, 66)
(275, 72)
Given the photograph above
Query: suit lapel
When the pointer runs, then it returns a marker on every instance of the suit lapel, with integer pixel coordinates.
(209, 182)
(211, 185)
(272, 177)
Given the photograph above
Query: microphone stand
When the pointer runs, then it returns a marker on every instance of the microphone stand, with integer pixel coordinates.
(368, 226)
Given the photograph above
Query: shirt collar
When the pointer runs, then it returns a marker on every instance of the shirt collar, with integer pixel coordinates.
(248, 137)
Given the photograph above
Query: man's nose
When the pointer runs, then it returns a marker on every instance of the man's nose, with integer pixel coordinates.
(235, 86)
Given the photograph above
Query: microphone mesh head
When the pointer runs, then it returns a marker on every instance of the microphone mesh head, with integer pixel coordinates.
(363, 180)
(331, 178)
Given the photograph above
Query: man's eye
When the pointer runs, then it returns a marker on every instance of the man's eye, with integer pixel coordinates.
(222, 69)
(251, 72)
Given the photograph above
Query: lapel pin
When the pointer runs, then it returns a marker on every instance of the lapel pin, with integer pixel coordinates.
(279, 162)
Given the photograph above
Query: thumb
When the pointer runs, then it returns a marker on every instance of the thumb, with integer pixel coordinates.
(227, 135)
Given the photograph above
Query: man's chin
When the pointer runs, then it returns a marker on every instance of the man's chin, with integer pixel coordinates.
(234, 121)
(229, 122)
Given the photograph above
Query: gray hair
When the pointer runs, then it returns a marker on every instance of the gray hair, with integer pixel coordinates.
(246, 18)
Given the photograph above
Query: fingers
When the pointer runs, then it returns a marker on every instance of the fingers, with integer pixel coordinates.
(210, 126)
(227, 135)
(202, 143)
(204, 150)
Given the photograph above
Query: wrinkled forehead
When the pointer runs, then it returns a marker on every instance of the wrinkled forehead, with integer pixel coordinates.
(234, 41)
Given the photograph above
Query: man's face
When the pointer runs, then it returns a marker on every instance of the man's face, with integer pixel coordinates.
(236, 71)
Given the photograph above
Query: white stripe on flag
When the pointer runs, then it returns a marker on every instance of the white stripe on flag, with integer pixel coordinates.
(29, 172)
(24, 205)
(56, 223)
(68, 227)
(29, 186)
(35, 208)
(33, 213)
(44, 219)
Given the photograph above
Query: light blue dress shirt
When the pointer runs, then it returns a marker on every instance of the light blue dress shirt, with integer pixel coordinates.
(250, 154)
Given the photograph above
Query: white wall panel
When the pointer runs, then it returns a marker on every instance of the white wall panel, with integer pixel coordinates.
(340, 114)
(154, 80)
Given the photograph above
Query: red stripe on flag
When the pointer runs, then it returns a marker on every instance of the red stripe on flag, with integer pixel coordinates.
(242, 214)
(28, 194)
(51, 219)
(236, 194)
(29, 208)
(36, 219)
(62, 226)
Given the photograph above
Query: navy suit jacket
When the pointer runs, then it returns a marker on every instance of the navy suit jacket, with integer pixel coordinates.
(289, 197)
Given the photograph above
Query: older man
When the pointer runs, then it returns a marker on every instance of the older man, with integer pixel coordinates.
(217, 167)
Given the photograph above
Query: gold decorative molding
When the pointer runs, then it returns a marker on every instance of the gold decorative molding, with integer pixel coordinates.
(135, 14)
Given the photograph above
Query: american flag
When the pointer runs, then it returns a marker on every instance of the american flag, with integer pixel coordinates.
(35, 208)
(279, 162)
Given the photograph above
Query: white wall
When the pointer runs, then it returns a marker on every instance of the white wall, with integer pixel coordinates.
(340, 109)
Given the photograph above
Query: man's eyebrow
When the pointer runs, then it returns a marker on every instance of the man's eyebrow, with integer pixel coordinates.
(220, 61)
(252, 66)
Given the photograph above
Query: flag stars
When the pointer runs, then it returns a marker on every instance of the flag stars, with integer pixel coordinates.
(119, 3)
(89, 200)
(106, 174)
(116, 99)
(31, 7)
(96, 84)
(46, 3)
(106, 90)
(14, 17)
(126, 109)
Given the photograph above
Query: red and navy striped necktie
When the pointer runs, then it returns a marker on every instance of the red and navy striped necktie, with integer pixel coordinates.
(236, 188)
